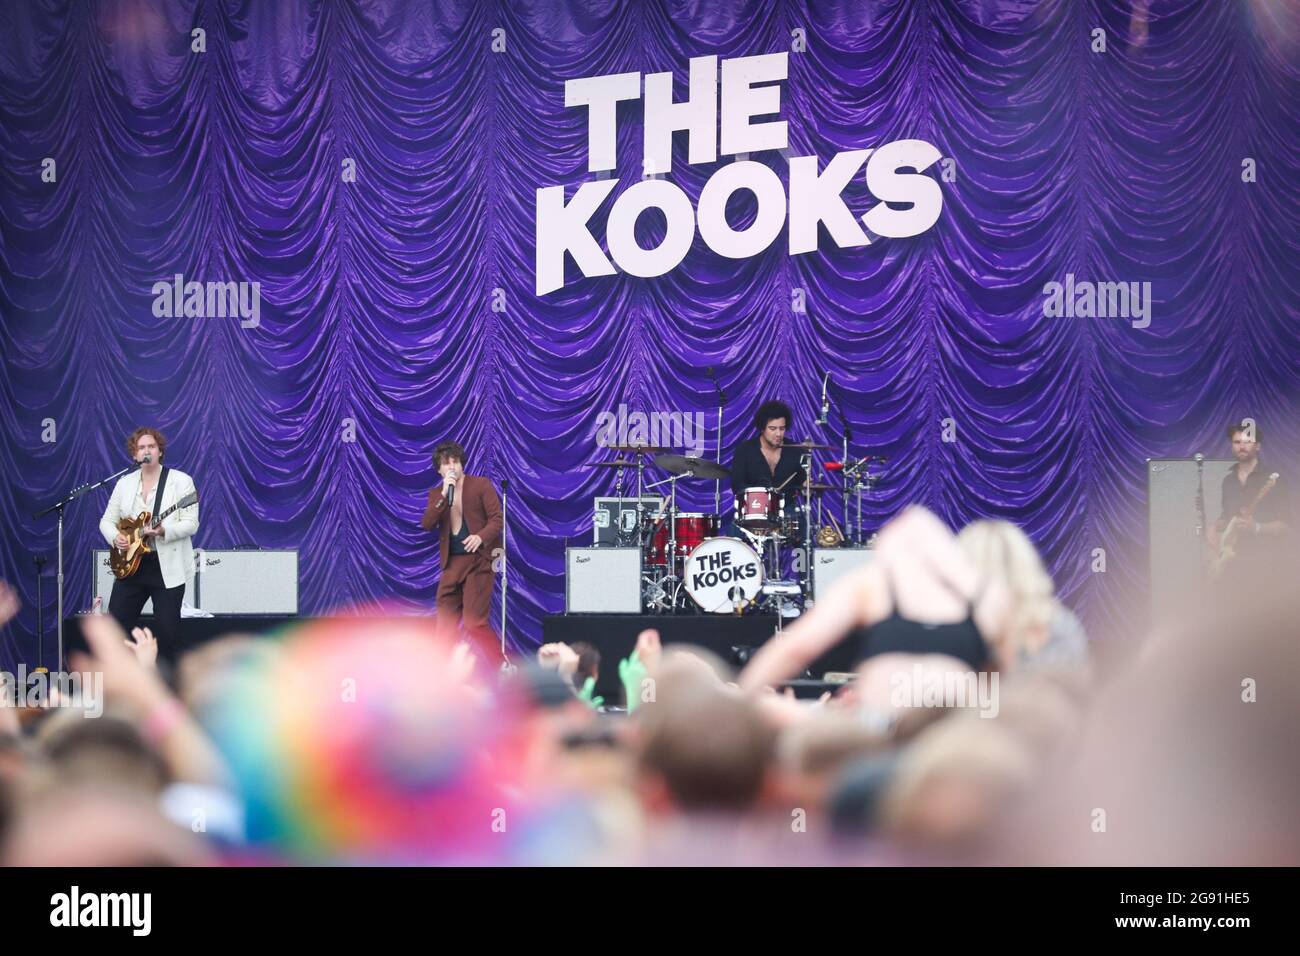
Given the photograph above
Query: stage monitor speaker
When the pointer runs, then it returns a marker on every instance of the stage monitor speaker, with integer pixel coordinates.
(1176, 553)
(602, 581)
(228, 581)
(831, 564)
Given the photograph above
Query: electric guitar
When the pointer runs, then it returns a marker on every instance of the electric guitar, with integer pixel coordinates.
(1232, 533)
(125, 563)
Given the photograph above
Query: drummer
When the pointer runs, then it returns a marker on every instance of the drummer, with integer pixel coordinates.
(762, 461)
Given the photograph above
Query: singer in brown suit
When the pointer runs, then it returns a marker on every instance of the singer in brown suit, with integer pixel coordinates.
(469, 530)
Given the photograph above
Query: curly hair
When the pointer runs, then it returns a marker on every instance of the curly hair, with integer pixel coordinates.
(448, 450)
(772, 410)
(135, 436)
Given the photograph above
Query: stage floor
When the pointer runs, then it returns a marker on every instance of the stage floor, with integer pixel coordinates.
(614, 635)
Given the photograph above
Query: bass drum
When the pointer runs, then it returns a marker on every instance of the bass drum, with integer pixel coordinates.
(723, 575)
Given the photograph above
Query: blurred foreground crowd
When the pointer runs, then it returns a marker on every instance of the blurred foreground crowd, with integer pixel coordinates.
(978, 727)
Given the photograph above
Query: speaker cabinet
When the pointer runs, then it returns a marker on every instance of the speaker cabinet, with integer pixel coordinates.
(831, 564)
(228, 582)
(1176, 552)
(602, 581)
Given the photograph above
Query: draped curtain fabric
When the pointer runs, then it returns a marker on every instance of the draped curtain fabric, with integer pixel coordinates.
(398, 309)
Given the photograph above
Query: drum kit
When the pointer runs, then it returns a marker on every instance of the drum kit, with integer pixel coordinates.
(690, 566)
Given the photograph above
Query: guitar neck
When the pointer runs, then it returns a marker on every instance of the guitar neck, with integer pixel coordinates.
(1250, 510)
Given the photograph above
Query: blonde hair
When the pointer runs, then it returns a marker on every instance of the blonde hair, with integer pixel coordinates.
(1006, 557)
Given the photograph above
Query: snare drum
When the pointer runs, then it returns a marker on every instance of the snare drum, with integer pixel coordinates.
(691, 530)
(723, 575)
(759, 509)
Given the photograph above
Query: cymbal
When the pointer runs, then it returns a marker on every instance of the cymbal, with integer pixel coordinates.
(616, 463)
(816, 488)
(807, 445)
(694, 467)
(639, 449)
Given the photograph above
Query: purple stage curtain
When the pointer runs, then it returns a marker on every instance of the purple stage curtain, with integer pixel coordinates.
(381, 319)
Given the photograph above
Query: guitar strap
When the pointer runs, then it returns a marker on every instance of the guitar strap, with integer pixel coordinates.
(158, 492)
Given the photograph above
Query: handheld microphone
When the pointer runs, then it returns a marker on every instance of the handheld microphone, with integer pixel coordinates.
(826, 405)
(451, 492)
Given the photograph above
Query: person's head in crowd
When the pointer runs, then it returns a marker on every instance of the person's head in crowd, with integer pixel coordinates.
(588, 663)
(107, 752)
(1189, 757)
(891, 686)
(919, 594)
(812, 753)
(96, 826)
(953, 783)
(364, 740)
(704, 747)
(1041, 710)
(1035, 627)
(201, 671)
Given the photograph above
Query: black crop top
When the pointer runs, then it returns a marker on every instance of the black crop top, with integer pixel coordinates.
(899, 635)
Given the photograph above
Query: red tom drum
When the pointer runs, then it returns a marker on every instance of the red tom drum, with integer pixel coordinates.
(759, 509)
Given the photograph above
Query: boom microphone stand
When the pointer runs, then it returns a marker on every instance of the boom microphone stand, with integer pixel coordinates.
(59, 507)
(40, 561)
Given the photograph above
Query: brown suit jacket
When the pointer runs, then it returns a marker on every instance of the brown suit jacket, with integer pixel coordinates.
(482, 511)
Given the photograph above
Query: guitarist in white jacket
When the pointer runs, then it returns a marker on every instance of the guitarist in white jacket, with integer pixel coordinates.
(164, 571)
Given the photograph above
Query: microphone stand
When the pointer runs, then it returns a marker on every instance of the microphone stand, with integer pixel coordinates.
(505, 577)
(1200, 508)
(40, 615)
(59, 507)
(717, 482)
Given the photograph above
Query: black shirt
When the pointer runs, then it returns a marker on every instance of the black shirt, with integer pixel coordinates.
(458, 539)
(749, 469)
(1276, 506)
(1236, 495)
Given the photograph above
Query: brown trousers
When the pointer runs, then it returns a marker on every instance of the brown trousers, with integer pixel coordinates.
(465, 591)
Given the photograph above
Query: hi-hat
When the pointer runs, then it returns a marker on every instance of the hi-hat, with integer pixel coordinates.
(693, 467)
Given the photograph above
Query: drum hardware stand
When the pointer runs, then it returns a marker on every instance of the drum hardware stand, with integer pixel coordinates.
(669, 516)
(807, 463)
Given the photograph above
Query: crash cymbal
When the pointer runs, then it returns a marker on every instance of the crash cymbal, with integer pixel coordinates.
(616, 463)
(807, 445)
(638, 449)
(694, 467)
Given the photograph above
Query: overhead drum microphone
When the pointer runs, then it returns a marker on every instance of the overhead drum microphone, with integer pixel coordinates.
(826, 405)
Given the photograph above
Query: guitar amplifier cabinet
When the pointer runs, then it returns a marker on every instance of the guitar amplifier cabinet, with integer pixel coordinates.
(602, 581)
(228, 581)
(831, 564)
(1176, 553)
